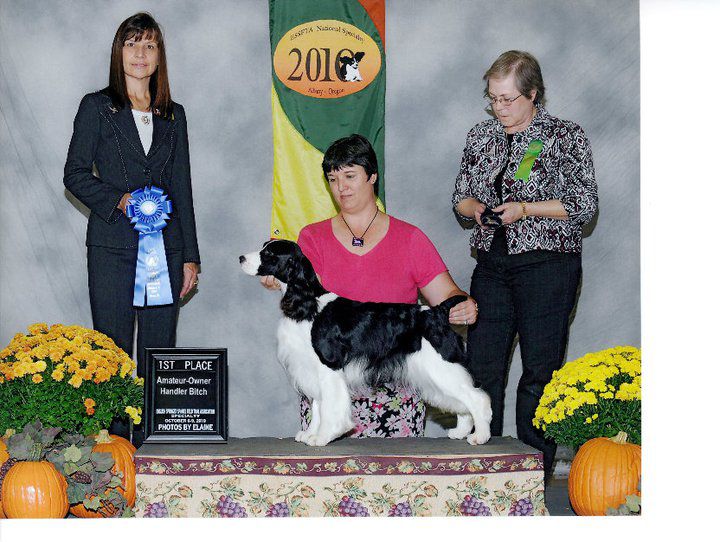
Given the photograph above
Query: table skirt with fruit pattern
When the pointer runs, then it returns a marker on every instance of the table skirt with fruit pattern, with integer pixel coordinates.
(369, 477)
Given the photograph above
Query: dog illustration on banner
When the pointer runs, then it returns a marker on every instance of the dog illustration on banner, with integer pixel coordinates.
(329, 345)
(349, 70)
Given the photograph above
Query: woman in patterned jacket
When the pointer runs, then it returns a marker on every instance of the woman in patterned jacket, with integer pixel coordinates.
(536, 172)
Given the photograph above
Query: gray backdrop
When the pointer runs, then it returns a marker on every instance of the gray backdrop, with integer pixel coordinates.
(53, 52)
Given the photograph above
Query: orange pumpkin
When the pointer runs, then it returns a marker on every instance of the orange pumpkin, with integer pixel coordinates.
(34, 489)
(604, 472)
(122, 452)
(4, 456)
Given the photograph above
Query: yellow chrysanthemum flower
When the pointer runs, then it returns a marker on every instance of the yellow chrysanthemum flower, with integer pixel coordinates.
(37, 378)
(586, 381)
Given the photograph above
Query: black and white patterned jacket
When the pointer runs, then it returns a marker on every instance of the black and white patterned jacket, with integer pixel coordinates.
(563, 171)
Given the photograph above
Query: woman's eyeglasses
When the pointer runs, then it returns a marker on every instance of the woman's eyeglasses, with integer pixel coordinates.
(501, 100)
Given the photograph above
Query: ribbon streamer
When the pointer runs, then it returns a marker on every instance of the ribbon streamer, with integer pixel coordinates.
(534, 149)
(149, 209)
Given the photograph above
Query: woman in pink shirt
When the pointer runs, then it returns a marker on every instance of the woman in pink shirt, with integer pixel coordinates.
(366, 255)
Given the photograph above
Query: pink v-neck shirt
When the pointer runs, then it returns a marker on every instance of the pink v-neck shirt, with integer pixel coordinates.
(403, 261)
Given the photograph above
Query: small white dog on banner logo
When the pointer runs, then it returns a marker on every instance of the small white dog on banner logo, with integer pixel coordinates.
(349, 70)
(329, 345)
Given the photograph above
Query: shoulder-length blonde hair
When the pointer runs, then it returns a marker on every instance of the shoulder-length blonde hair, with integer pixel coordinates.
(140, 26)
(526, 70)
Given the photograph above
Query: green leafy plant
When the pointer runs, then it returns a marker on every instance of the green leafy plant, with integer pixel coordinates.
(597, 395)
(32, 443)
(631, 507)
(68, 377)
(89, 475)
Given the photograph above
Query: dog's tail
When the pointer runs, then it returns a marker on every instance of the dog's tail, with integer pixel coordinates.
(437, 331)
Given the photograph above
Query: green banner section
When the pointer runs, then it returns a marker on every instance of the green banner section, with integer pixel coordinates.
(329, 72)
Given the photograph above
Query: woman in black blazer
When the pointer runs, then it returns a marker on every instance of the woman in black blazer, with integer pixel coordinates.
(128, 136)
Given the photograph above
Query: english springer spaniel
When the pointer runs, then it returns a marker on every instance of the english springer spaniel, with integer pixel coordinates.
(329, 344)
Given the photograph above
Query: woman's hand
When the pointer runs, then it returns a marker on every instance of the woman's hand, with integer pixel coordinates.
(270, 282)
(122, 204)
(465, 313)
(471, 208)
(443, 287)
(190, 277)
(511, 212)
(478, 211)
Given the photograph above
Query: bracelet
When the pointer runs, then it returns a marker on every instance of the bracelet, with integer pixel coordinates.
(524, 216)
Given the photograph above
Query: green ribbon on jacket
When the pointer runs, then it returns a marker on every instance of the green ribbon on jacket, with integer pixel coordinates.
(533, 151)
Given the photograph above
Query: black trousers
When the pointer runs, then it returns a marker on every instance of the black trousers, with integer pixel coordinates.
(532, 295)
(111, 280)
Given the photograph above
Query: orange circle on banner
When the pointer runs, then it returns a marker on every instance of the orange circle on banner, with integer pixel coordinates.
(326, 59)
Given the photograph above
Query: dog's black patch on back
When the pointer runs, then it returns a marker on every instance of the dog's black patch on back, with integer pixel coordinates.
(378, 335)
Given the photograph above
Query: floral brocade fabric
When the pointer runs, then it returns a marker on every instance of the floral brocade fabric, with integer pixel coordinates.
(388, 411)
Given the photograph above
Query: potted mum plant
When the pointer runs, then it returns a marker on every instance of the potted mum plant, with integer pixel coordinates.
(68, 377)
(76, 380)
(593, 404)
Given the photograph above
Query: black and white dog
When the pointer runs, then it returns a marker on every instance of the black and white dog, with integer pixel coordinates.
(329, 344)
(349, 70)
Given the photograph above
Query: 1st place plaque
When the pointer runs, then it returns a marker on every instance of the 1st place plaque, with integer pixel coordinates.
(186, 395)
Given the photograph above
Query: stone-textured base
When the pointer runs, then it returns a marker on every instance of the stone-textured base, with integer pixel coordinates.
(377, 477)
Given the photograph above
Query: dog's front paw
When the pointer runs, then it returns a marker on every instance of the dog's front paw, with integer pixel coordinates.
(458, 433)
(317, 440)
(480, 436)
(301, 436)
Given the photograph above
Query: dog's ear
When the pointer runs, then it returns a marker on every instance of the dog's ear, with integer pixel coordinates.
(304, 273)
(359, 55)
(346, 59)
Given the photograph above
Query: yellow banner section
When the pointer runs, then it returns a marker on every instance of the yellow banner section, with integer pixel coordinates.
(303, 196)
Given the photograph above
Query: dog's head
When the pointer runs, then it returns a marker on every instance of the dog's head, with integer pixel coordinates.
(352, 61)
(299, 283)
(282, 259)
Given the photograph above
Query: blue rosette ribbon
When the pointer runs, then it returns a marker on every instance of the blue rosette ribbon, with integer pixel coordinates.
(149, 209)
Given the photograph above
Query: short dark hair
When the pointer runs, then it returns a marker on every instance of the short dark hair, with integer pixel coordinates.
(526, 70)
(353, 150)
(139, 26)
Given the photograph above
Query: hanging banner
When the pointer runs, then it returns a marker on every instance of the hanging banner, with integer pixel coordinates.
(328, 60)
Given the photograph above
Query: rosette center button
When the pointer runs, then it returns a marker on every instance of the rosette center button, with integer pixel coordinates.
(148, 208)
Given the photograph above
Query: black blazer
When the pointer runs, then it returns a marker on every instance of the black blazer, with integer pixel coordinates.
(106, 137)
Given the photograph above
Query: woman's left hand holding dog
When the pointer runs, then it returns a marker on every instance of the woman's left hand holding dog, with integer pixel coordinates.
(190, 277)
(465, 313)
(443, 287)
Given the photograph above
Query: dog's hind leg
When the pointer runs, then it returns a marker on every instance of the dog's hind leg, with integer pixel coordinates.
(463, 428)
(334, 409)
(449, 386)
